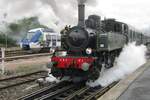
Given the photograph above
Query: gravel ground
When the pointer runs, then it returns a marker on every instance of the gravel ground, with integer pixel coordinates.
(18, 67)
(23, 66)
(17, 92)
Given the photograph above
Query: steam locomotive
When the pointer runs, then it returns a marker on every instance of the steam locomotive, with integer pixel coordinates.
(91, 46)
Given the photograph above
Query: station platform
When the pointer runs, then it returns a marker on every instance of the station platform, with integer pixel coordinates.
(134, 87)
(139, 89)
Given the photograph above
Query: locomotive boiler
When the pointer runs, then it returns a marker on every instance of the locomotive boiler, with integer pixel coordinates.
(91, 46)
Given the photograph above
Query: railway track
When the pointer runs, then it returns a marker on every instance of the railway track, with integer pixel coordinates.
(20, 52)
(91, 93)
(25, 56)
(15, 52)
(21, 79)
(68, 91)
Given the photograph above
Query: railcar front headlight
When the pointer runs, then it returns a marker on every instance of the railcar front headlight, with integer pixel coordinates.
(89, 51)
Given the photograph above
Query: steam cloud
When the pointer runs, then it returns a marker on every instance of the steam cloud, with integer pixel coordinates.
(81, 1)
(57, 13)
(90, 2)
(52, 13)
(131, 58)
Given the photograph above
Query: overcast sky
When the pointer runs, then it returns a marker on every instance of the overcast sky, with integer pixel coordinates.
(50, 12)
(134, 12)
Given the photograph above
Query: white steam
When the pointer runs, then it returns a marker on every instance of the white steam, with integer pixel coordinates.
(52, 13)
(81, 1)
(89, 2)
(131, 58)
(57, 13)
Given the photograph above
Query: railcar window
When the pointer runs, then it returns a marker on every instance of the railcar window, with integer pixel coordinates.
(30, 35)
(61, 53)
(58, 38)
(49, 30)
(48, 37)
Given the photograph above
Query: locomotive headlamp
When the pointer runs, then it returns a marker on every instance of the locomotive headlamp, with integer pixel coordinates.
(88, 51)
(85, 66)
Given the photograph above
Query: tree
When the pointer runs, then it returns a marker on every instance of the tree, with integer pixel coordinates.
(10, 41)
(17, 30)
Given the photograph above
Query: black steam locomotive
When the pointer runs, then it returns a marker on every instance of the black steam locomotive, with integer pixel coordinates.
(92, 45)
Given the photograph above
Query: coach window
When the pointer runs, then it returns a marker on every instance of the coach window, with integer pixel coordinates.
(130, 34)
(123, 28)
(126, 29)
(115, 27)
(133, 35)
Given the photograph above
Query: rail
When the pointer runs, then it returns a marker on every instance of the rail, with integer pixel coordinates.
(21, 79)
(63, 91)
(24, 56)
(44, 91)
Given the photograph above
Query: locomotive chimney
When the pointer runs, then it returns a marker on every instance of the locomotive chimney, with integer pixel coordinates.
(81, 15)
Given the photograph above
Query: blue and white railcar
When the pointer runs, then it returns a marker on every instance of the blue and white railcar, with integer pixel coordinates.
(39, 38)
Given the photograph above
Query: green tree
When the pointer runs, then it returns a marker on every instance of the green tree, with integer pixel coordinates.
(17, 30)
(10, 41)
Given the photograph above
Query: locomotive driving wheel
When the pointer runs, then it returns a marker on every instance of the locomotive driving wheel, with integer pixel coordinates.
(109, 59)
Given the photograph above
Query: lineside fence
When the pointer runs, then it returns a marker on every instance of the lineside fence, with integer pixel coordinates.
(2, 64)
(6, 55)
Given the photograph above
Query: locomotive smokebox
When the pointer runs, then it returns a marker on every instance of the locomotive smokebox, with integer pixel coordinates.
(81, 15)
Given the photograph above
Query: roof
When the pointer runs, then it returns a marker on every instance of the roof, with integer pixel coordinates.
(43, 30)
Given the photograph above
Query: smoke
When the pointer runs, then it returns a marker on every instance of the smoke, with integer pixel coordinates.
(53, 4)
(89, 2)
(81, 1)
(45, 10)
(131, 58)
(52, 13)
